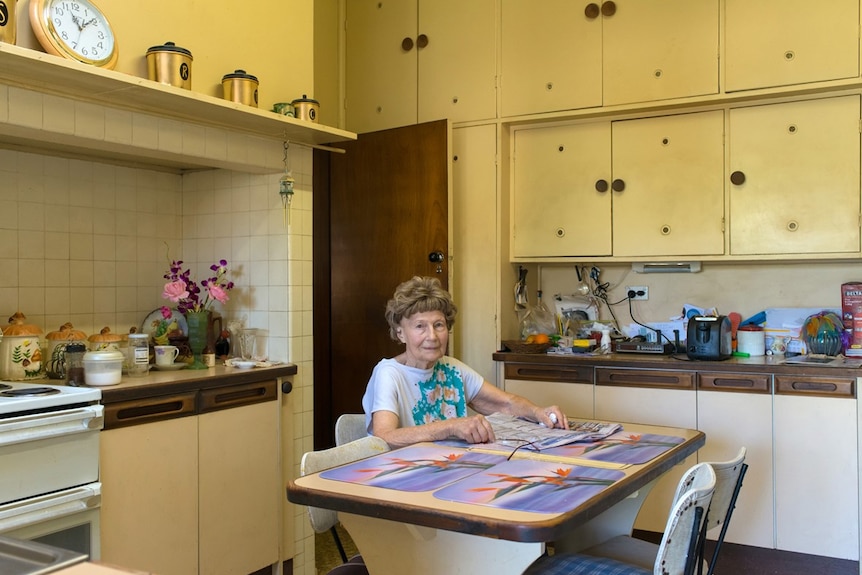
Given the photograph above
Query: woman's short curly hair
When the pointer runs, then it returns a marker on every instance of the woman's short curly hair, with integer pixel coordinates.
(418, 295)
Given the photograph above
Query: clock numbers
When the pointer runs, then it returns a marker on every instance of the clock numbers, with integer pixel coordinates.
(4, 14)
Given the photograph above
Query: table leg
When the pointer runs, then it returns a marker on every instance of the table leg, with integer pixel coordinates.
(389, 547)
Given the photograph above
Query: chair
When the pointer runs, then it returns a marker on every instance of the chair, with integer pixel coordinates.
(677, 553)
(349, 427)
(325, 519)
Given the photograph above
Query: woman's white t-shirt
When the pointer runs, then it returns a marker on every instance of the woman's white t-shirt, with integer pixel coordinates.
(420, 396)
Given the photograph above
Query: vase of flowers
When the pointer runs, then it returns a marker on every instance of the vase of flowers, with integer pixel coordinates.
(195, 301)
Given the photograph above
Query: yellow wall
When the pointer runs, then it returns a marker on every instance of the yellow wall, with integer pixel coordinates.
(270, 39)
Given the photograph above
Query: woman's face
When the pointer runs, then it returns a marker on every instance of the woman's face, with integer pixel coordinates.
(426, 336)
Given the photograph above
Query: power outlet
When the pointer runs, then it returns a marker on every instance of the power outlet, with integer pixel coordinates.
(638, 290)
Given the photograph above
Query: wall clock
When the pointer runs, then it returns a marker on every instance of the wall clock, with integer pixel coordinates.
(74, 29)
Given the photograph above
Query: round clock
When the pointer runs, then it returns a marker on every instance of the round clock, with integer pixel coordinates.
(74, 29)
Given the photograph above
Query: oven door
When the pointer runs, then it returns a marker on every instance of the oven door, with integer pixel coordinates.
(68, 519)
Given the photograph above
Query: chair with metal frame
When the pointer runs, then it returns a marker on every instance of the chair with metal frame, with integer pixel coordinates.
(326, 519)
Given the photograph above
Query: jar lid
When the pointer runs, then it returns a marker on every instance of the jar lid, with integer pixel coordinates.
(18, 327)
(749, 327)
(67, 332)
(104, 355)
(305, 99)
(139, 336)
(169, 47)
(76, 348)
(105, 335)
(239, 74)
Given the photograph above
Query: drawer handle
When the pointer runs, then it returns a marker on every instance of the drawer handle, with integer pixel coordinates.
(149, 410)
(813, 386)
(723, 382)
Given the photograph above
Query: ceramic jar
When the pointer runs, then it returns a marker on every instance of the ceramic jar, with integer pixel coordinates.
(56, 351)
(20, 351)
(105, 340)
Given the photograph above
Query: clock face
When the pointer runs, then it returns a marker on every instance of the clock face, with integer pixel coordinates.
(75, 29)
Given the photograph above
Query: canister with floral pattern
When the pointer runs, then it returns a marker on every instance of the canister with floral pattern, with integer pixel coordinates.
(20, 350)
(56, 353)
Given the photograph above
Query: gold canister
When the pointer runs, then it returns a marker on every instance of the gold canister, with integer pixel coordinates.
(306, 108)
(170, 64)
(240, 87)
(8, 23)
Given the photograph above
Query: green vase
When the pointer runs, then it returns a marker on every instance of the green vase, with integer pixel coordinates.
(198, 322)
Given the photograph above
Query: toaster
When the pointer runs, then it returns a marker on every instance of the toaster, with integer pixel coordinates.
(709, 338)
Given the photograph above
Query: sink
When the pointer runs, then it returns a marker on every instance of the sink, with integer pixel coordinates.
(19, 557)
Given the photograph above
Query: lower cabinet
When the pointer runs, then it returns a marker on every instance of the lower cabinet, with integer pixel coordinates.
(191, 483)
(570, 388)
(816, 466)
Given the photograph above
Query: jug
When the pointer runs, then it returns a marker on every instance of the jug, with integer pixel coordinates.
(214, 329)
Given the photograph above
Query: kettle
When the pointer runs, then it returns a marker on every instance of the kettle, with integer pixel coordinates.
(709, 338)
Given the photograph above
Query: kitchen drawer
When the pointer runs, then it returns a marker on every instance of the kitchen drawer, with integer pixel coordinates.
(531, 371)
(735, 382)
(645, 378)
(819, 386)
(150, 409)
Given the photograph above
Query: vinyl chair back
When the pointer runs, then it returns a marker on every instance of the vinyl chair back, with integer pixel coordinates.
(728, 482)
(313, 461)
(350, 427)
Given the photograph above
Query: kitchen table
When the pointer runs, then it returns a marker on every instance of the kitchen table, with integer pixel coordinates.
(427, 531)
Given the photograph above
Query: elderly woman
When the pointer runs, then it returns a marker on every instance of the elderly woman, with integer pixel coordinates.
(423, 394)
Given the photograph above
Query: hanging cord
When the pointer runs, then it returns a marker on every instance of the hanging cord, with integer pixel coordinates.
(285, 187)
(600, 292)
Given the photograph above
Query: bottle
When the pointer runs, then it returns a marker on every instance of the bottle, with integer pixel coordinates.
(139, 354)
(606, 341)
(222, 345)
(75, 363)
(208, 356)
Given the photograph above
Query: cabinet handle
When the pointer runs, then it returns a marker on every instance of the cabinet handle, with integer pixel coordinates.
(407, 44)
(421, 41)
(737, 178)
(286, 387)
(609, 8)
(618, 185)
(601, 186)
(591, 11)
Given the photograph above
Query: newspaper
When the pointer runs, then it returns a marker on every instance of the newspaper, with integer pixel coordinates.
(512, 432)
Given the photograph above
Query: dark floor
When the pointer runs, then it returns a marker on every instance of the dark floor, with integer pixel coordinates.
(734, 559)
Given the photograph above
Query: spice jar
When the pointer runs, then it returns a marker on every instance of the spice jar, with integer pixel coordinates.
(139, 354)
(74, 356)
(57, 343)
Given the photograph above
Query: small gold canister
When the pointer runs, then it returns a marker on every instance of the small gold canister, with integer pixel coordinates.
(8, 23)
(240, 87)
(170, 64)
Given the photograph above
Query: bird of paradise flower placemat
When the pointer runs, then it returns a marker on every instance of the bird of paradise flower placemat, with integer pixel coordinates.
(532, 486)
(621, 447)
(423, 467)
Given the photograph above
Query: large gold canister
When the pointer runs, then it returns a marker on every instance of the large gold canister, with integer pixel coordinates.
(240, 87)
(170, 64)
(8, 24)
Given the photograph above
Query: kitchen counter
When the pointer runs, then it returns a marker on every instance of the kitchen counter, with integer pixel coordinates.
(764, 364)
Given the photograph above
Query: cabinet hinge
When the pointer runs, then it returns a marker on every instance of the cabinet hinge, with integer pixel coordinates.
(860, 125)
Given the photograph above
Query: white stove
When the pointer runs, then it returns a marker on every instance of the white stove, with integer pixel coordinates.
(17, 397)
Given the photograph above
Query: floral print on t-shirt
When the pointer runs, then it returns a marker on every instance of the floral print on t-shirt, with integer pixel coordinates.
(441, 397)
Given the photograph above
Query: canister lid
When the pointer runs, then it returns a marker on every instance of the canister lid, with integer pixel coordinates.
(240, 75)
(139, 336)
(105, 336)
(18, 327)
(169, 47)
(304, 99)
(67, 332)
(749, 327)
(103, 355)
(76, 348)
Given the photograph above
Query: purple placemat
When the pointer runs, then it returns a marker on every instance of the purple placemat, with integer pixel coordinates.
(621, 447)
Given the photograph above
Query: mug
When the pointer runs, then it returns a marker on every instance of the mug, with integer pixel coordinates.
(166, 354)
(283, 108)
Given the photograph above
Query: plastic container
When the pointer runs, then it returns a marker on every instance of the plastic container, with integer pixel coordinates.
(751, 340)
(103, 367)
(139, 354)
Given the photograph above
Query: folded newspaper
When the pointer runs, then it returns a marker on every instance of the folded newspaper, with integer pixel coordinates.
(513, 431)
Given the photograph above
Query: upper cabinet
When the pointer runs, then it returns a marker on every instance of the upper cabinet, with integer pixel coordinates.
(560, 55)
(412, 61)
(772, 43)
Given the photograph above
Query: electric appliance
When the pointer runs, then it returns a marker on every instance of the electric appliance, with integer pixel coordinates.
(709, 338)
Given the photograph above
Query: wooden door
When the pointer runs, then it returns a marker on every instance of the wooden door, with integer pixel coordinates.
(380, 210)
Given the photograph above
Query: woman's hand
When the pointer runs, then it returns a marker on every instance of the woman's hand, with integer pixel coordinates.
(473, 429)
(551, 417)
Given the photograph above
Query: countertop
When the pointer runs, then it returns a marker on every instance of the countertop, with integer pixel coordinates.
(763, 364)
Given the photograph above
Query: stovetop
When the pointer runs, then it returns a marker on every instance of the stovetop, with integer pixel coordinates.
(18, 396)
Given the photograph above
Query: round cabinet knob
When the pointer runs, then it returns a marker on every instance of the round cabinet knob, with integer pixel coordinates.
(286, 387)
(792, 226)
(591, 11)
(737, 178)
(601, 186)
(665, 230)
(407, 44)
(436, 257)
(609, 9)
(560, 232)
(421, 41)
(618, 185)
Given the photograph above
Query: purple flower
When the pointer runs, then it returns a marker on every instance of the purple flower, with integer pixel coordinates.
(187, 293)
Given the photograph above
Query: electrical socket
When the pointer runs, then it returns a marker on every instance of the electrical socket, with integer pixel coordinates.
(638, 290)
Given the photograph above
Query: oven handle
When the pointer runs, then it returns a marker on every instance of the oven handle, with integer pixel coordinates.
(39, 426)
(47, 507)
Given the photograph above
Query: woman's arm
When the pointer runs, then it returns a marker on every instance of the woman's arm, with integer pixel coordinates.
(491, 399)
(474, 429)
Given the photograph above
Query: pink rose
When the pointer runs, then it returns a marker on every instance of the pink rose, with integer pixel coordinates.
(166, 312)
(218, 293)
(175, 291)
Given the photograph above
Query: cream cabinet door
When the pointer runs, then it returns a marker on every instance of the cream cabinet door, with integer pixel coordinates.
(574, 398)
(557, 208)
(458, 67)
(240, 492)
(794, 182)
(380, 64)
(551, 57)
(672, 168)
(659, 49)
(781, 42)
(149, 476)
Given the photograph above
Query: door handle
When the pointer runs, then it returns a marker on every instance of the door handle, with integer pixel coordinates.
(436, 257)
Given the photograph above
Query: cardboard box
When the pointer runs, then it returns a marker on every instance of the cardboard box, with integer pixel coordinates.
(851, 296)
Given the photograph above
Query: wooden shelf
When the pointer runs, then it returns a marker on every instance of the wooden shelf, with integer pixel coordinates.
(49, 74)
